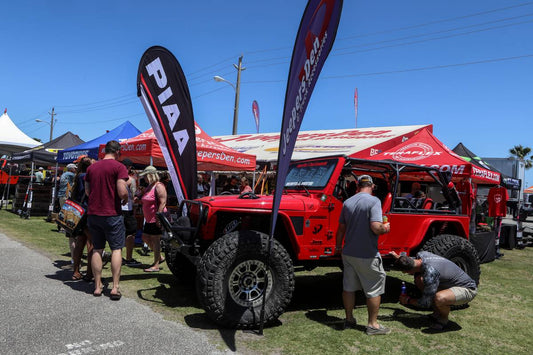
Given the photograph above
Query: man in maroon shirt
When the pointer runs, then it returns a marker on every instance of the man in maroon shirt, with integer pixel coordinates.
(105, 184)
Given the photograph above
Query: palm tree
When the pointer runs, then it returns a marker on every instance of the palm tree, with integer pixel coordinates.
(521, 154)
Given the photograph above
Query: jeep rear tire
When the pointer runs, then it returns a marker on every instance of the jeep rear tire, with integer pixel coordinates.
(231, 280)
(458, 250)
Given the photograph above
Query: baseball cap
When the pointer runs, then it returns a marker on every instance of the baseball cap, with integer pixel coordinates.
(365, 178)
(41, 168)
(127, 162)
(78, 159)
(72, 166)
(148, 170)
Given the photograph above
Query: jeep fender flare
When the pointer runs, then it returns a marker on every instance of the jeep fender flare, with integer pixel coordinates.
(429, 223)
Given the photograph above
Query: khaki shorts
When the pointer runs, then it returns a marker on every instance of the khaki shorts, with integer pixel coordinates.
(365, 274)
(463, 295)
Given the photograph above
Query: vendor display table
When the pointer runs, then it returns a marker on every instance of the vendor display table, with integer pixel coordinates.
(42, 193)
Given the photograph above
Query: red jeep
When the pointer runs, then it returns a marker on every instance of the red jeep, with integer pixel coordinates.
(222, 240)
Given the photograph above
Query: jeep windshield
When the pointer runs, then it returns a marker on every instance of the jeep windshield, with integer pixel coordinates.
(310, 175)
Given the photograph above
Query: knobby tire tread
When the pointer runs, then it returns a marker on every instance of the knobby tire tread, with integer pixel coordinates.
(218, 262)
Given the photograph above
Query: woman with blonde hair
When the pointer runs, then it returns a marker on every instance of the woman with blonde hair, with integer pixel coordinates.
(154, 199)
(245, 186)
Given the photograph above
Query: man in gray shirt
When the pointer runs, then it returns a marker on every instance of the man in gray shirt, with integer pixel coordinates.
(360, 224)
(442, 283)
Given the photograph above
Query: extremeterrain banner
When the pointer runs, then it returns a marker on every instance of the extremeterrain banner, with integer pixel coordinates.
(314, 40)
(163, 90)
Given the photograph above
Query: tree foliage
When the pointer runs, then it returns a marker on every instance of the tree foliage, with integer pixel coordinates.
(521, 153)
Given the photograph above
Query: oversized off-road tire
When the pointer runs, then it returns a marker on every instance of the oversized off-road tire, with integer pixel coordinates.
(457, 249)
(179, 265)
(231, 280)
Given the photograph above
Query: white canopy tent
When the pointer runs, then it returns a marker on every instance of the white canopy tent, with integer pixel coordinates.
(12, 139)
(353, 142)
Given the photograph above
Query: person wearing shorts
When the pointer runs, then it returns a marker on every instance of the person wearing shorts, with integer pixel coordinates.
(154, 200)
(443, 284)
(130, 222)
(360, 224)
(105, 184)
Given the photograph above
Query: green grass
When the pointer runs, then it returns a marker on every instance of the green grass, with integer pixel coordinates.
(498, 321)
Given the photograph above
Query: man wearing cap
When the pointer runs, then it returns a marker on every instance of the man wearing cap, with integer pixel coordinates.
(443, 284)
(130, 223)
(360, 224)
(66, 180)
(105, 184)
(39, 177)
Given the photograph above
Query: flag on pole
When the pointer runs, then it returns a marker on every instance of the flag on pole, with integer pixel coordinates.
(163, 90)
(255, 110)
(314, 40)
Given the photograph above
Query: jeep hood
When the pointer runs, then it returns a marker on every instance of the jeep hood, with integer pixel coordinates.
(289, 202)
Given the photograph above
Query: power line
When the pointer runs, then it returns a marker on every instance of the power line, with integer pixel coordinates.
(96, 102)
(104, 121)
(194, 78)
(335, 52)
(438, 32)
(433, 39)
(437, 21)
(394, 30)
(484, 61)
(104, 107)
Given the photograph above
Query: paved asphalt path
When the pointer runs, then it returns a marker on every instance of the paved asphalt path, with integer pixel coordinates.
(43, 313)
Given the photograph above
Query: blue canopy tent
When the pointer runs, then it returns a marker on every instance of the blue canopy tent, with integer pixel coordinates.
(90, 148)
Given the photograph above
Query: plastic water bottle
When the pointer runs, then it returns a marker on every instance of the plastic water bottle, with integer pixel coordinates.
(404, 289)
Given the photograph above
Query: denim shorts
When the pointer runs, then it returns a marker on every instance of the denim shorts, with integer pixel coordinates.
(107, 228)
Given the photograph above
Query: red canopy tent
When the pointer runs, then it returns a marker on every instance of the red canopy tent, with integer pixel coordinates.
(211, 154)
(425, 149)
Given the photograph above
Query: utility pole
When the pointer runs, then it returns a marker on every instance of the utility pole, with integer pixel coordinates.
(237, 89)
(51, 124)
(237, 93)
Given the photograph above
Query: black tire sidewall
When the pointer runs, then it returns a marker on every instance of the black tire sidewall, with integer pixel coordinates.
(455, 248)
(218, 263)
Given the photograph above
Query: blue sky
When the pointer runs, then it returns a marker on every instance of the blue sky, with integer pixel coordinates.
(463, 66)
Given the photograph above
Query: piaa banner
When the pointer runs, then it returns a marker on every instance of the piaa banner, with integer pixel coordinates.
(255, 111)
(314, 40)
(163, 90)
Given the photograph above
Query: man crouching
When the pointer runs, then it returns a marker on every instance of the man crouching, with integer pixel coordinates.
(443, 284)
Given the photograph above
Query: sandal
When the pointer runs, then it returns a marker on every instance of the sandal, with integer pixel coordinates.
(98, 294)
(76, 276)
(433, 317)
(439, 325)
(115, 296)
(152, 269)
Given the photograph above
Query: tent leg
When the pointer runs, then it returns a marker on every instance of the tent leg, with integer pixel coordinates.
(212, 186)
(52, 202)
(30, 189)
